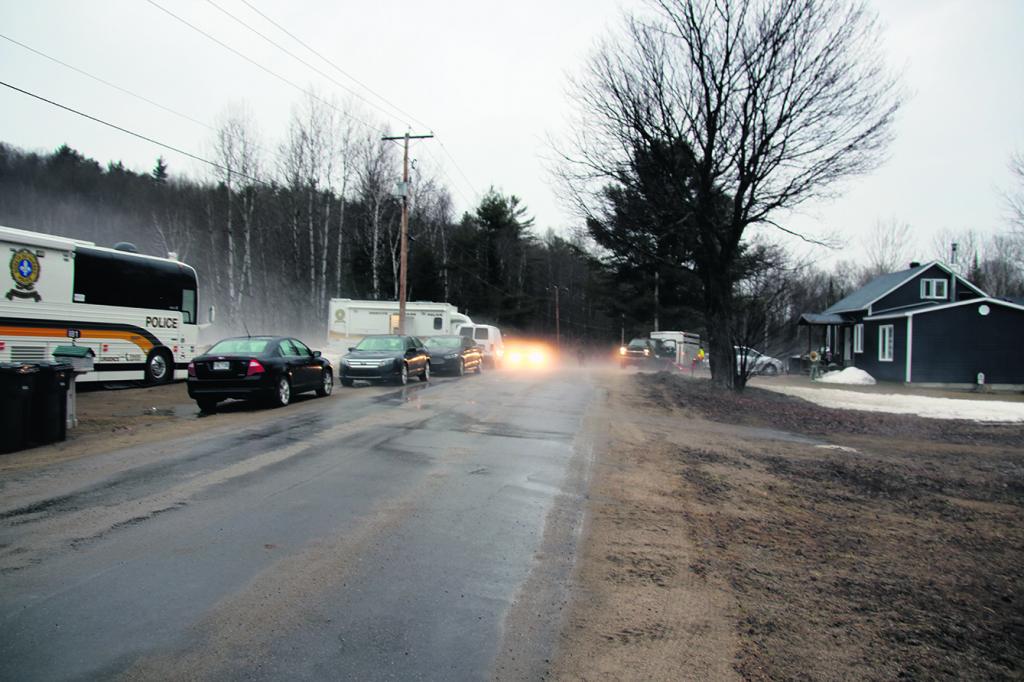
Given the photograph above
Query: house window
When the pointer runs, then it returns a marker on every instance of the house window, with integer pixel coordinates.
(885, 343)
(858, 338)
(933, 288)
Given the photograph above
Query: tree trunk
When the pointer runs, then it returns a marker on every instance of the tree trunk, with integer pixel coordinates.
(231, 250)
(375, 251)
(311, 231)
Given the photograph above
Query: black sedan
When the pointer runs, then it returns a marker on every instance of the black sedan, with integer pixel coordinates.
(273, 368)
(454, 354)
(386, 357)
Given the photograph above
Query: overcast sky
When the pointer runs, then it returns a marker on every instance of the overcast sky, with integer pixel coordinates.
(489, 78)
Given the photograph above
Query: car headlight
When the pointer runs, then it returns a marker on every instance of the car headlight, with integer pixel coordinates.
(385, 363)
(646, 352)
(451, 356)
(622, 350)
(344, 362)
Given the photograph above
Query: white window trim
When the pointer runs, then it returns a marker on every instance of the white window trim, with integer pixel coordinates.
(858, 338)
(931, 292)
(882, 345)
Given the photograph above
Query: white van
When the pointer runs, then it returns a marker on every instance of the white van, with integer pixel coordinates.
(488, 337)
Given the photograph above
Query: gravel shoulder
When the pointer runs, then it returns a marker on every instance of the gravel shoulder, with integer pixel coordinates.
(758, 536)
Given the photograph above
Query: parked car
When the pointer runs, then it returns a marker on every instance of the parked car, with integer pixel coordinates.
(639, 352)
(757, 362)
(386, 357)
(454, 354)
(274, 368)
(488, 337)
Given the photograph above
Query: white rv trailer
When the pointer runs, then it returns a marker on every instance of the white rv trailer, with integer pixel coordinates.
(686, 345)
(350, 320)
(137, 313)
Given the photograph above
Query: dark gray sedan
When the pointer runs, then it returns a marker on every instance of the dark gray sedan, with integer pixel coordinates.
(454, 355)
(385, 357)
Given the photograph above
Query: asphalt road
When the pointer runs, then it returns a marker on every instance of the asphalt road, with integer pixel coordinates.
(424, 532)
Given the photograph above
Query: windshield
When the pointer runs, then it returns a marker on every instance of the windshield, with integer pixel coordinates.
(481, 334)
(381, 343)
(638, 344)
(239, 347)
(444, 342)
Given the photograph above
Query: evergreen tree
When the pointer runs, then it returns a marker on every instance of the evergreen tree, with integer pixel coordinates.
(159, 171)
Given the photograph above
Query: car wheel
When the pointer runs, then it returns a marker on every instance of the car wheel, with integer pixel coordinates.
(159, 367)
(208, 406)
(425, 374)
(346, 382)
(327, 385)
(771, 370)
(403, 375)
(283, 392)
(461, 371)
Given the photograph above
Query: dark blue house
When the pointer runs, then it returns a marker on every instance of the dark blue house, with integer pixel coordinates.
(927, 326)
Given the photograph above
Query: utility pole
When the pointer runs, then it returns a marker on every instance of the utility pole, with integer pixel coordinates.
(403, 262)
(558, 318)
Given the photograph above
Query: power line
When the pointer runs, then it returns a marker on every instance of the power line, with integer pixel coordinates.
(353, 79)
(265, 69)
(106, 82)
(299, 59)
(458, 168)
(335, 66)
(129, 132)
(124, 90)
(292, 83)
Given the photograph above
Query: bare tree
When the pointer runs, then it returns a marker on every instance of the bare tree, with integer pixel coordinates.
(1015, 197)
(376, 175)
(236, 150)
(762, 104)
(889, 248)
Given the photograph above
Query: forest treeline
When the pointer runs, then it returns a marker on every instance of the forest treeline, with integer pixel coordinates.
(270, 252)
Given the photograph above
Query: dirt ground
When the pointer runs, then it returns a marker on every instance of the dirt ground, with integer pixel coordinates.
(110, 419)
(757, 536)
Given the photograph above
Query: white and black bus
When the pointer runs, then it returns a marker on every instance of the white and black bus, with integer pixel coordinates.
(136, 312)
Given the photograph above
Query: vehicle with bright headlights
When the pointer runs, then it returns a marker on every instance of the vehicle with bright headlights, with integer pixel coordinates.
(385, 357)
(639, 352)
(454, 355)
(528, 355)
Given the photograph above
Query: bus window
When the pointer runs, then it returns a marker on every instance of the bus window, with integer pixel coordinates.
(118, 279)
(188, 306)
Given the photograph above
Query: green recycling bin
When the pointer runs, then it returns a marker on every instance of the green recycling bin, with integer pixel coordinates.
(17, 387)
(50, 402)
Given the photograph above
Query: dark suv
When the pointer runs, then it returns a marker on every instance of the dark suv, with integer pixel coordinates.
(640, 352)
(385, 357)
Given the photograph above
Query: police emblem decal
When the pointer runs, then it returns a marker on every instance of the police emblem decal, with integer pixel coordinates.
(25, 272)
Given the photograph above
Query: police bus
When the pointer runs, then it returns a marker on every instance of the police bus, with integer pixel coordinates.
(137, 313)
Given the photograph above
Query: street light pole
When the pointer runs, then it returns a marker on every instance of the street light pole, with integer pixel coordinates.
(403, 262)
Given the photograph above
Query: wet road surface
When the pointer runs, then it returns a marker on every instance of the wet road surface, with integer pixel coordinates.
(424, 532)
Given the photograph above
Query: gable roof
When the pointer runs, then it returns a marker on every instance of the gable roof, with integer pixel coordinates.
(945, 306)
(883, 285)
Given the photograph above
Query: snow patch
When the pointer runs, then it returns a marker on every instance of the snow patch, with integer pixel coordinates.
(850, 375)
(841, 448)
(922, 406)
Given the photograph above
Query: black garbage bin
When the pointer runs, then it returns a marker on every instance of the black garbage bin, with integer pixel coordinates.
(50, 403)
(17, 387)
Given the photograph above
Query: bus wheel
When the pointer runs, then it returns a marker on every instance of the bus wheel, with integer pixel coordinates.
(159, 368)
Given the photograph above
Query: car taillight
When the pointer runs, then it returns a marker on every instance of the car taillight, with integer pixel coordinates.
(191, 369)
(254, 368)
